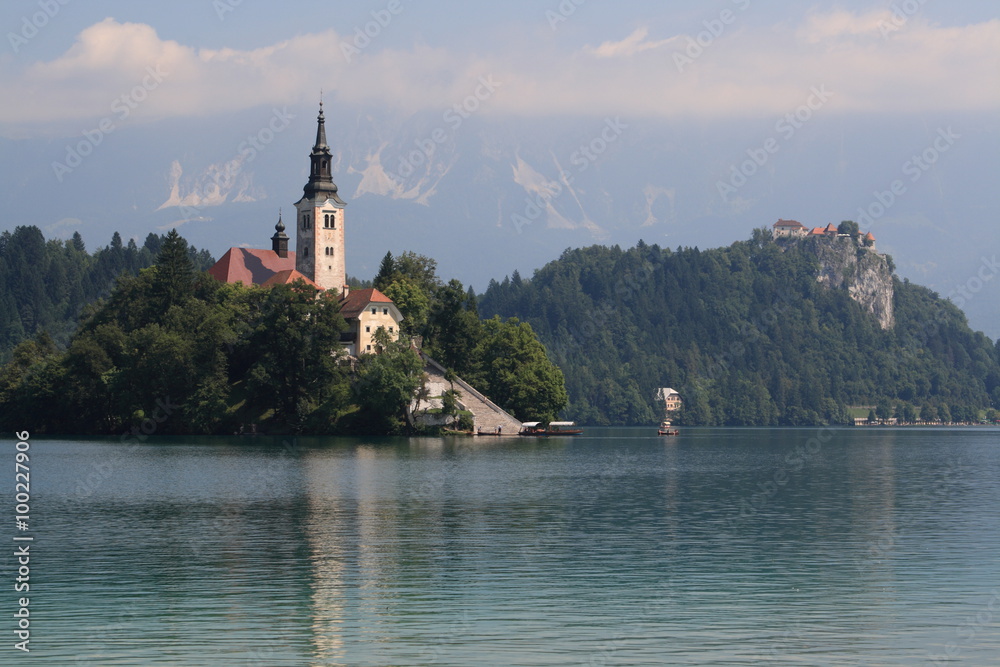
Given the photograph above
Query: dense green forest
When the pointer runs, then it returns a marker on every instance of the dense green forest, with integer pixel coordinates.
(746, 335)
(173, 351)
(44, 285)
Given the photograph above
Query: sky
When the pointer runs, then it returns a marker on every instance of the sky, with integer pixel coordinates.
(829, 110)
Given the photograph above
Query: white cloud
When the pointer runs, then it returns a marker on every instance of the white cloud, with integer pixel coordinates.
(747, 70)
(820, 27)
(631, 45)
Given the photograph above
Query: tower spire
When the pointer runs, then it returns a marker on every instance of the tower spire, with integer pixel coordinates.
(321, 128)
(321, 185)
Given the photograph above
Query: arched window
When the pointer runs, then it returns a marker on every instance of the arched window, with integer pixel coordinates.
(305, 251)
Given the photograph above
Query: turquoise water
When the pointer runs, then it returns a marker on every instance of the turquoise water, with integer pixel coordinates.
(717, 547)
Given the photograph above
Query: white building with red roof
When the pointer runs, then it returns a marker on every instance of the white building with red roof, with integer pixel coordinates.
(789, 228)
(319, 257)
(367, 311)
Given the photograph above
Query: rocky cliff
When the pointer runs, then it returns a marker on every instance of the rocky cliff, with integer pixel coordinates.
(845, 263)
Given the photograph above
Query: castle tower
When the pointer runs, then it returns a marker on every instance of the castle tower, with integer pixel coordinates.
(319, 237)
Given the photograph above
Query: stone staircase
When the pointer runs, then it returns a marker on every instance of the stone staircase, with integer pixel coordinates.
(485, 413)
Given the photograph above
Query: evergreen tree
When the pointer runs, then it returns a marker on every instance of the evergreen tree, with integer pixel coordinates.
(174, 272)
(385, 272)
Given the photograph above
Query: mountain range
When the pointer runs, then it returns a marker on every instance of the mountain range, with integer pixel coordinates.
(486, 195)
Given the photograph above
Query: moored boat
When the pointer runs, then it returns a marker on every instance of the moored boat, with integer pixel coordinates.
(552, 428)
(665, 429)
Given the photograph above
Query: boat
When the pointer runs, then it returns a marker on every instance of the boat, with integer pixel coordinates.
(552, 428)
(665, 429)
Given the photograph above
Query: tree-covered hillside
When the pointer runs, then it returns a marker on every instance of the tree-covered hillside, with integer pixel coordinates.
(44, 285)
(746, 334)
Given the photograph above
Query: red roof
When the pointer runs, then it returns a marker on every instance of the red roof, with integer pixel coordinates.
(869, 236)
(251, 266)
(789, 223)
(287, 277)
(357, 300)
(817, 231)
(831, 228)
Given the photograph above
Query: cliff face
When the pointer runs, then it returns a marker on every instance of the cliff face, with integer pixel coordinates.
(865, 274)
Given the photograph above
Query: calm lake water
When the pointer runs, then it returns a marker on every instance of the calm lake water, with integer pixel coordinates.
(717, 547)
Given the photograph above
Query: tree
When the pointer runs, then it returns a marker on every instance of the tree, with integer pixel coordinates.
(153, 243)
(454, 329)
(412, 301)
(516, 373)
(174, 272)
(849, 227)
(449, 403)
(293, 348)
(387, 382)
(16, 405)
(420, 269)
(385, 272)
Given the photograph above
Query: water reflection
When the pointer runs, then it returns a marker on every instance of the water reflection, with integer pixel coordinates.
(617, 547)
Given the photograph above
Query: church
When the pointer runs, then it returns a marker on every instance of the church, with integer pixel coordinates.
(318, 258)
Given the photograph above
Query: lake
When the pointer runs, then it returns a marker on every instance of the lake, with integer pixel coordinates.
(846, 546)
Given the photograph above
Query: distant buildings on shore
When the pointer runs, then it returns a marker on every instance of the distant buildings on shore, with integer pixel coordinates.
(670, 399)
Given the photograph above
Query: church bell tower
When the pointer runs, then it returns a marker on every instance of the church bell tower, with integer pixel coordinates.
(319, 237)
